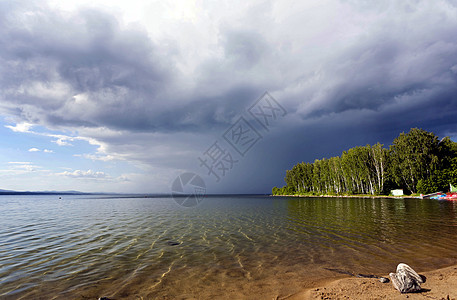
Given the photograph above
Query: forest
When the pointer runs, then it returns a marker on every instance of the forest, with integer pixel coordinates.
(417, 162)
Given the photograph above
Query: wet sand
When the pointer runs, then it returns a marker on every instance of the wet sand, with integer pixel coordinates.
(440, 284)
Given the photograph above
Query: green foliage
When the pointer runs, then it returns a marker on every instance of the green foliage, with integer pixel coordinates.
(416, 161)
(285, 190)
(275, 191)
(414, 157)
(440, 179)
(437, 182)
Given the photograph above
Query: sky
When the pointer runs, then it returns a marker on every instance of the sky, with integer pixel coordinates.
(126, 96)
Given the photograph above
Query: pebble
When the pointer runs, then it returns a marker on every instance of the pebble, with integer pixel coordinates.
(383, 279)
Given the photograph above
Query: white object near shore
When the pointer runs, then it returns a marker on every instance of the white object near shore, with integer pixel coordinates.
(397, 192)
(406, 280)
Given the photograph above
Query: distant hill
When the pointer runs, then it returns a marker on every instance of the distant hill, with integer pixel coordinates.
(10, 192)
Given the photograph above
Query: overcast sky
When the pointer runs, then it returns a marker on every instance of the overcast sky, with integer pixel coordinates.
(124, 96)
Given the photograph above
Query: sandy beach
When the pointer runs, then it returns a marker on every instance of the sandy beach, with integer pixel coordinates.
(440, 284)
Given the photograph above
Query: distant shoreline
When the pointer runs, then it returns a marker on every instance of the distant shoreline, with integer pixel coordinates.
(350, 196)
(41, 193)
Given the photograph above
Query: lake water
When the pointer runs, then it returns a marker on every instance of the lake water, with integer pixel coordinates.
(252, 247)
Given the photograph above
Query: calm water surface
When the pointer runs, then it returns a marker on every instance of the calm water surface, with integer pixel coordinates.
(228, 247)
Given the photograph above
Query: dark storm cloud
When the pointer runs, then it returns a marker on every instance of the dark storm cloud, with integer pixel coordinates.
(86, 69)
(347, 73)
(125, 80)
(390, 71)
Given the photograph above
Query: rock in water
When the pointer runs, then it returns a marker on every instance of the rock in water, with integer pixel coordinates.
(406, 280)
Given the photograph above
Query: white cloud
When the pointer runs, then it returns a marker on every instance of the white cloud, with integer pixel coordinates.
(62, 142)
(16, 167)
(38, 150)
(84, 174)
(20, 127)
(97, 175)
(98, 157)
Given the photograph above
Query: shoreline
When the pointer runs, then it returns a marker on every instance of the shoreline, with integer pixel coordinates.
(349, 196)
(440, 284)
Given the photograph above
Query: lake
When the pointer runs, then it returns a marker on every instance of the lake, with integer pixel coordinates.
(227, 247)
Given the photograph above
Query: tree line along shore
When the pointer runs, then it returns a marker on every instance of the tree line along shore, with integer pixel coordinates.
(417, 162)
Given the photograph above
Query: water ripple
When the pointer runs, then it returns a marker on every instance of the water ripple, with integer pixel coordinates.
(136, 247)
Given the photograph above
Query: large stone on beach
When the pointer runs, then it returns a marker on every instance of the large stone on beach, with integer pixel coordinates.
(406, 280)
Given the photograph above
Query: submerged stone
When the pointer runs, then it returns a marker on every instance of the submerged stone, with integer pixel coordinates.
(173, 243)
